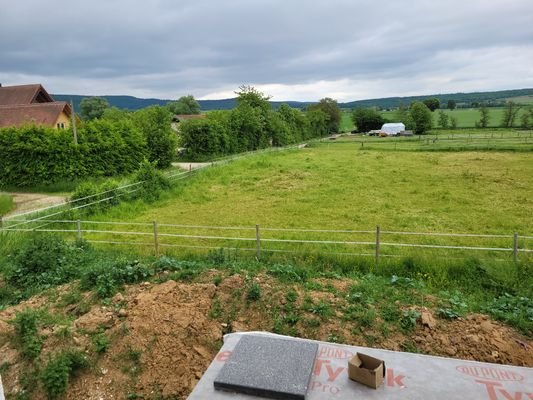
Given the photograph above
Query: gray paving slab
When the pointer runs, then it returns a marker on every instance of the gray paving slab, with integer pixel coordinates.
(268, 367)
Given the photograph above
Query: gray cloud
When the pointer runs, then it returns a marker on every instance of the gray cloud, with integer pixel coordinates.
(296, 49)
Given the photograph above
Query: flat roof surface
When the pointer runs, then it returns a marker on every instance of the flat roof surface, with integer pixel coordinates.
(409, 376)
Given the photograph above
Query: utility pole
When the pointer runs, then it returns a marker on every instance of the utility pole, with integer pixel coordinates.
(74, 131)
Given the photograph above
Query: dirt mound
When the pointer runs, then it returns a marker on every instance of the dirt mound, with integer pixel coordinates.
(162, 337)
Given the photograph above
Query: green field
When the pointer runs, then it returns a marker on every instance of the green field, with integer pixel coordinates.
(466, 117)
(340, 186)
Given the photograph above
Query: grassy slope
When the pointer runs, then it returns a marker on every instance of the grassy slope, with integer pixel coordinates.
(339, 186)
(6, 203)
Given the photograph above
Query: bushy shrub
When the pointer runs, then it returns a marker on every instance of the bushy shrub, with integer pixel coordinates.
(153, 182)
(90, 198)
(57, 372)
(45, 261)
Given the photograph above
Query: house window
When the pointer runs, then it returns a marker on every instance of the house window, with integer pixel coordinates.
(60, 125)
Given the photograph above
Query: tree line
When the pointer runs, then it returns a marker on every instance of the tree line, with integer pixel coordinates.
(254, 125)
(417, 117)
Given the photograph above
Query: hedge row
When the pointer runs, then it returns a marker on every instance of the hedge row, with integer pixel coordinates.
(36, 155)
(247, 128)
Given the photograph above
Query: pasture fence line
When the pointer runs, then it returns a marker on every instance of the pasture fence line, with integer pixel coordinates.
(259, 239)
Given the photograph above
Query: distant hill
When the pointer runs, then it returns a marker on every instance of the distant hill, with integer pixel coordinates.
(468, 98)
(494, 98)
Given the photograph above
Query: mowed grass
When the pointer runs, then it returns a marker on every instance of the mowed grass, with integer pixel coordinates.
(340, 186)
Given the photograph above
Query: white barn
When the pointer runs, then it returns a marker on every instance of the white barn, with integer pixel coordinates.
(393, 128)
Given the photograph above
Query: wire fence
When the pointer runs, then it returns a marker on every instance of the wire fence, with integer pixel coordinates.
(163, 238)
(519, 140)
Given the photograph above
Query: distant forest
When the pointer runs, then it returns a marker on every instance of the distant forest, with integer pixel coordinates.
(462, 99)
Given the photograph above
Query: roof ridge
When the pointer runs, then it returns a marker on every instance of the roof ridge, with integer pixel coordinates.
(15, 86)
(50, 103)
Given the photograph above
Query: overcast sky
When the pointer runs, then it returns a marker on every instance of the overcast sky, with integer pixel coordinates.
(290, 49)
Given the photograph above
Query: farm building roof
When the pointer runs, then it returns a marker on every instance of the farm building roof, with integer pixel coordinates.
(24, 94)
(392, 128)
(37, 113)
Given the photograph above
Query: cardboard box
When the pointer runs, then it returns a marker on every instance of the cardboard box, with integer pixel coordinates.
(367, 370)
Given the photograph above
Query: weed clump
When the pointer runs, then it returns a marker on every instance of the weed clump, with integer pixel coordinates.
(107, 278)
(26, 325)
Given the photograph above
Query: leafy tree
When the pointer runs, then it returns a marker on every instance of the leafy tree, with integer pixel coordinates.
(116, 114)
(93, 107)
(526, 120)
(451, 105)
(453, 122)
(155, 124)
(366, 119)
(443, 119)
(184, 105)
(509, 114)
(247, 128)
(483, 116)
(318, 123)
(253, 97)
(432, 103)
(278, 130)
(332, 110)
(296, 122)
(420, 118)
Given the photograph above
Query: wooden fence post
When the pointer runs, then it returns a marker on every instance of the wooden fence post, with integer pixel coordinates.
(156, 239)
(377, 245)
(515, 247)
(258, 241)
(78, 228)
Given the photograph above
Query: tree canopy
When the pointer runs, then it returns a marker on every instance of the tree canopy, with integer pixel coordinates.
(483, 117)
(432, 103)
(93, 107)
(366, 119)
(184, 105)
(331, 108)
(420, 118)
(452, 104)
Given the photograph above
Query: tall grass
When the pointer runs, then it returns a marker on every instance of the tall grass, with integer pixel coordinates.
(6, 203)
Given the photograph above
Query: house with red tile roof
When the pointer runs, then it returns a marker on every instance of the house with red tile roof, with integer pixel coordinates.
(32, 104)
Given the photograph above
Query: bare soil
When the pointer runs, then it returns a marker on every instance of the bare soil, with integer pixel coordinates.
(164, 336)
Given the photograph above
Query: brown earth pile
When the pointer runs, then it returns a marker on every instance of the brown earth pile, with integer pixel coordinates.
(164, 336)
